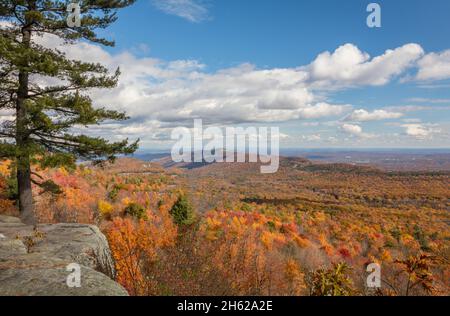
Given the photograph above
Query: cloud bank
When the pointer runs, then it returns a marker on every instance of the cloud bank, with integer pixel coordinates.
(159, 95)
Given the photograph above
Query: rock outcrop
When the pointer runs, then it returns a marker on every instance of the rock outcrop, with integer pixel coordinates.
(34, 260)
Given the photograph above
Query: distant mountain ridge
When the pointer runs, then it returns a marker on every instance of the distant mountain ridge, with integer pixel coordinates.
(387, 160)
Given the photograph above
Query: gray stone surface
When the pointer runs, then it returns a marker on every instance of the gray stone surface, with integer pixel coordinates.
(33, 260)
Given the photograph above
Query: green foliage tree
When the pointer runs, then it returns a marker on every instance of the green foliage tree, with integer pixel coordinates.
(135, 210)
(330, 282)
(12, 190)
(420, 236)
(112, 195)
(182, 211)
(44, 115)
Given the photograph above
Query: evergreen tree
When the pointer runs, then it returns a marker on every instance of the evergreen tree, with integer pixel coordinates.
(44, 115)
(182, 211)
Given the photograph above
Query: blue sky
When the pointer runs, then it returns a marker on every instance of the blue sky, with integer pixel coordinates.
(285, 33)
(313, 68)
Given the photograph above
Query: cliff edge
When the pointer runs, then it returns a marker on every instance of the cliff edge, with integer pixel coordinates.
(35, 260)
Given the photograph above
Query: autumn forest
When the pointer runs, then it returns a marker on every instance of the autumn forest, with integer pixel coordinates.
(225, 229)
(84, 197)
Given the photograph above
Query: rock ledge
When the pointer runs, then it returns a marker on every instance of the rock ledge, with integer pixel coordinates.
(33, 260)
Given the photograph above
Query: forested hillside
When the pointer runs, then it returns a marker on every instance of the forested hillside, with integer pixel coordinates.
(225, 229)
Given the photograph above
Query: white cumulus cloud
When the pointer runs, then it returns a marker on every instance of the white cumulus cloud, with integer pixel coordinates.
(376, 115)
(355, 130)
(434, 66)
(419, 131)
(352, 129)
(349, 66)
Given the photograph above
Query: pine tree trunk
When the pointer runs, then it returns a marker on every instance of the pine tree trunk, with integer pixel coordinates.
(25, 193)
(22, 141)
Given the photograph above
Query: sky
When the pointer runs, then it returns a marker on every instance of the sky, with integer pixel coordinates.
(312, 68)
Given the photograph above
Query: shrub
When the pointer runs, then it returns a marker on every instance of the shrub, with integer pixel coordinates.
(330, 282)
(419, 235)
(105, 208)
(271, 226)
(112, 195)
(135, 210)
(396, 233)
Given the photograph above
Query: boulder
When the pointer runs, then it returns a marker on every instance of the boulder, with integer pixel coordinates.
(35, 260)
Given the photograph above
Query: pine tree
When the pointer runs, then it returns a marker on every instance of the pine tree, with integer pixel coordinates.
(41, 131)
(182, 211)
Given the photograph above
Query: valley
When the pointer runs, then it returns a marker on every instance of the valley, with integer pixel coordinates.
(236, 231)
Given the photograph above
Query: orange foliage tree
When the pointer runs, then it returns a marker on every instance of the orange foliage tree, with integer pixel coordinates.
(135, 245)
